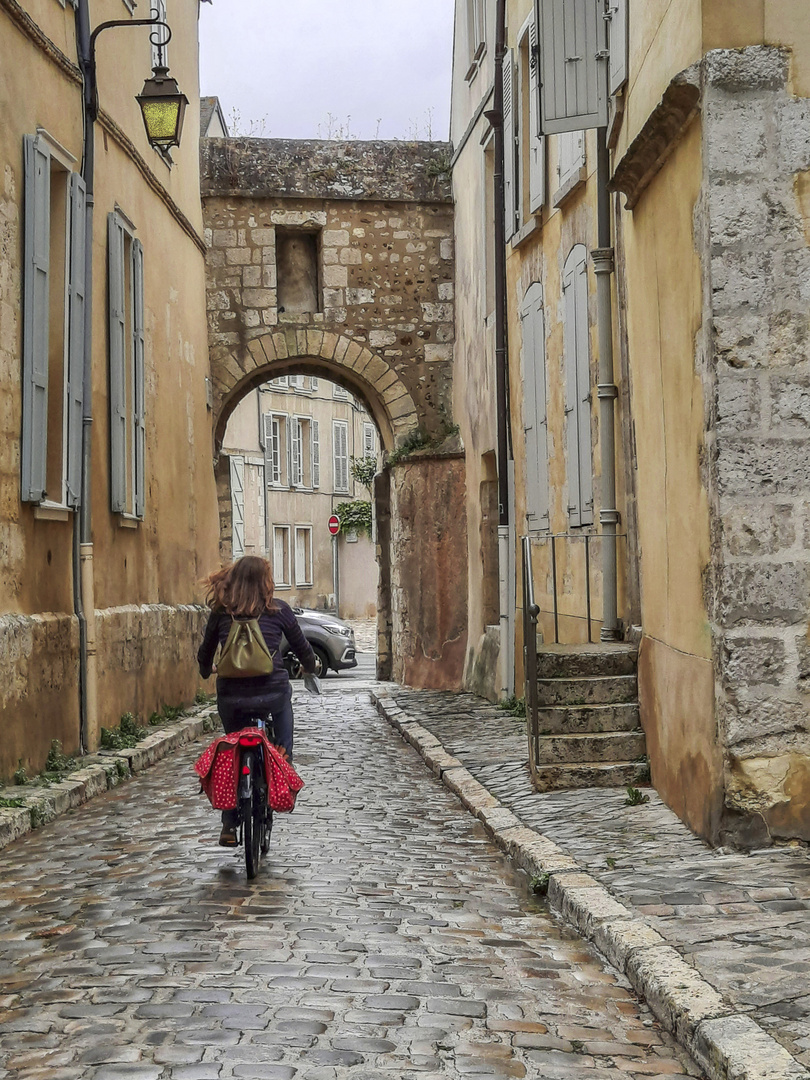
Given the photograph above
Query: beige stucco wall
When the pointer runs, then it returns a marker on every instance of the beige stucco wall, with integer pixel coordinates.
(154, 566)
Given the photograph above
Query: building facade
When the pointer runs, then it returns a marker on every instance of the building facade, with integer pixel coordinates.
(697, 216)
(290, 446)
(105, 527)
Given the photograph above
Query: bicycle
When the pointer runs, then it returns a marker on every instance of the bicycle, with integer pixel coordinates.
(255, 816)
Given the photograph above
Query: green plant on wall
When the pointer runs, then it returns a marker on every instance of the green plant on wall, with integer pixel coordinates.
(354, 517)
(364, 470)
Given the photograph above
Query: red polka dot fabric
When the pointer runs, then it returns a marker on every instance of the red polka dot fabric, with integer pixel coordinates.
(218, 770)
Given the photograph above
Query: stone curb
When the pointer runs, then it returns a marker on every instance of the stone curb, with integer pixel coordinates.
(728, 1045)
(103, 771)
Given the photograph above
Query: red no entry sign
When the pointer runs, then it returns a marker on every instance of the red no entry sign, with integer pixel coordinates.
(334, 524)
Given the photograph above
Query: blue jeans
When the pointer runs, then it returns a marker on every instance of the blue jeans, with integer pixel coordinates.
(244, 712)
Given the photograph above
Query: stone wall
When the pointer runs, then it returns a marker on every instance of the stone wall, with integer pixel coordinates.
(754, 227)
(428, 591)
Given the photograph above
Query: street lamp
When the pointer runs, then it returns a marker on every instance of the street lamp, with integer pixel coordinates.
(162, 104)
(163, 108)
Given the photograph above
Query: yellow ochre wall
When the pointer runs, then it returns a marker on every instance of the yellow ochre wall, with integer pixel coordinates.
(146, 574)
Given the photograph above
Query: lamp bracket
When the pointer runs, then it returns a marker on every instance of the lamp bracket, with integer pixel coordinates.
(161, 43)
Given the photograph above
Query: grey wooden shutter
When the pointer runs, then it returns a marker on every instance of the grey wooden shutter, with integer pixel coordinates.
(537, 144)
(269, 449)
(316, 454)
(76, 328)
(295, 443)
(584, 390)
(535, 419)
(618, 44)
(573, 65)
(238, 505)
(341, 451)
(36, 306)
(509, 170)
(139, 379)
(577, 388)
(118, 345)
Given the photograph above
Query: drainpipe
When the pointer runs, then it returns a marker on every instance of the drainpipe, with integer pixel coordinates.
(506, 557)
(83, 576)
(607, 391)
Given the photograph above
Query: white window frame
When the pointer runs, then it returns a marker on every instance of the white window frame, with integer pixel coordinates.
(237, 470)
(340, 392)
(44, 160)
(127, 370)
(281, 383)
(283, 580)
(340, 462)
(570, 157)
(277, 450)
(369, 440)
(303, 574)
(315, 453)
(476, 35)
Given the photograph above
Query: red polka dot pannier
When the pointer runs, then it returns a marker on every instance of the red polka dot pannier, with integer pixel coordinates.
(218, 770)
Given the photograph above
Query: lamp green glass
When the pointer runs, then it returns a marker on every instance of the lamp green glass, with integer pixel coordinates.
(163, 108)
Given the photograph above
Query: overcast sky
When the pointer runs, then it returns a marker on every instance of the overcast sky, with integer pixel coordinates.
(383, 63)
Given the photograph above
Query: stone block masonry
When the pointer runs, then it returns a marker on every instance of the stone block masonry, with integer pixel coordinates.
(382, 216)
(754, 228)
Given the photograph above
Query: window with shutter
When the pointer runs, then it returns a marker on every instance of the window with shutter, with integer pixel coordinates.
(127, 368)
(573, 65)
(340, 455)
(54, 300)
(536, 141)
(476, 35)
(578, 388)
(510, 147)
(316, 454)
(237, 466)
(369, 440)
(281, 555)
(617, 44)
(303, 555)
(570, 156)
(535, 421)
(76, 331)
(296, 472)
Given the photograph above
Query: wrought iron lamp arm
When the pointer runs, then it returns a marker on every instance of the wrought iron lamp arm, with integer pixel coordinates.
(92, 98)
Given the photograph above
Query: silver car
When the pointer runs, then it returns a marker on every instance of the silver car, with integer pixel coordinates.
(332, 641)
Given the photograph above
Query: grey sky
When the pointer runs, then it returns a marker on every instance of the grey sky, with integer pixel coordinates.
(291, 64)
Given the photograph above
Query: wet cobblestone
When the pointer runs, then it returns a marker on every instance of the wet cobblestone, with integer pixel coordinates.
(742, 920)
(385, 937)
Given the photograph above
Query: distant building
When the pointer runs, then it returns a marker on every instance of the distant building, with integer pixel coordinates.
(291, 443)
(212, 120)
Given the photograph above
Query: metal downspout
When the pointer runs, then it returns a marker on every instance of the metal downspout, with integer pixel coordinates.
(505, 558)
(83, 584)
(607, 392)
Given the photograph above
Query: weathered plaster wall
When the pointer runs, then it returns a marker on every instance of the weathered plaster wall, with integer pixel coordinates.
(756, 292)
(428, 579)
(359, 579)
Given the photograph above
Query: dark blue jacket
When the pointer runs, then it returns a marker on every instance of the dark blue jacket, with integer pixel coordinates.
(273, 624)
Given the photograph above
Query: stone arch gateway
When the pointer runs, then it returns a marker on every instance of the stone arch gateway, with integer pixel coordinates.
(336, 260)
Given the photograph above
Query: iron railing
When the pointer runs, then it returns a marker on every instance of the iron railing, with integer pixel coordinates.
(530, 613)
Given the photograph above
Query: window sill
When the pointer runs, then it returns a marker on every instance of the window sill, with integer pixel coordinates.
(52, 512)
(128, 521)
(575, 181)
(281, 585)
(299, 318)
(529, 228)
(303, 585)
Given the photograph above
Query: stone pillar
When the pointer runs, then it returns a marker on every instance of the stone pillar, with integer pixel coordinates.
(222, 471)
(382, 509)
(754, 226)
(429, 571)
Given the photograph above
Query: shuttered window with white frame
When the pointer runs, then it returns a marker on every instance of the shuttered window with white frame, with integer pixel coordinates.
(127, 374)
(573, 65)
(576, 336)
(237, 469)
(536, 141)
(618, 43)
(296, 457)
(369, 440)
(316, 454)
(281, 556)
(303, 554)
(54, 298)
(570, 156)
(510, 147)
(535, 417)
(340, 455)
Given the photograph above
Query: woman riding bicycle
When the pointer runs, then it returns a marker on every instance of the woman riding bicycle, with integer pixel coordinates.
(245, 591)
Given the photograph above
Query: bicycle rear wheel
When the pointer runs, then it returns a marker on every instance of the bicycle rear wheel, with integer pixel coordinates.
(251, 818)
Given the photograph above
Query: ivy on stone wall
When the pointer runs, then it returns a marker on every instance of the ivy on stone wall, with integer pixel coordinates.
(354, 517)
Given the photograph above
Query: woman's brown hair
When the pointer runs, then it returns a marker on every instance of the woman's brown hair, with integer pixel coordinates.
(244, 589)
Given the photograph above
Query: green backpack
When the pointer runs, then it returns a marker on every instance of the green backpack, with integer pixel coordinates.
(245, 654)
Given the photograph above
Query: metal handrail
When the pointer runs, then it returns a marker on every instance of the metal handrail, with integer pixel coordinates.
(530, 613)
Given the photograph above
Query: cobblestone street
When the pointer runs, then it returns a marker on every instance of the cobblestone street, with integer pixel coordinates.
(385, 937)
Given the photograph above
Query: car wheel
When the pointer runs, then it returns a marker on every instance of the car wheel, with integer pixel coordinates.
(321, 661)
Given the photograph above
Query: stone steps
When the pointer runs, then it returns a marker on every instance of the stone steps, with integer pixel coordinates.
(588, 719)
(590, 775)
(588, 690)
(605, 747)
(589, 731)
